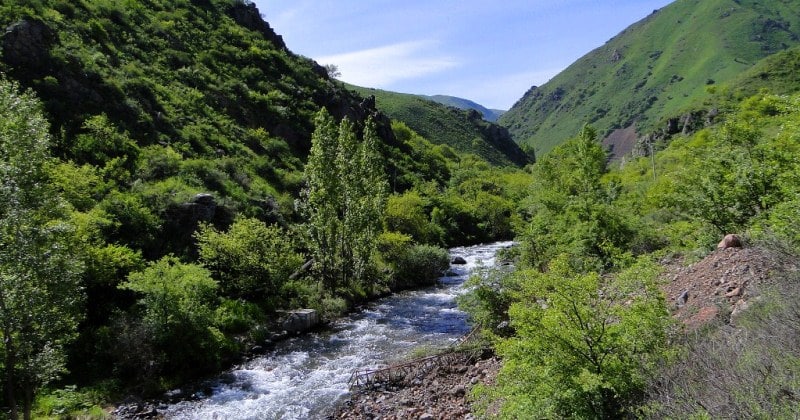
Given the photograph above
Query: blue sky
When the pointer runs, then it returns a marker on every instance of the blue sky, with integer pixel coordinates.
(490, 52)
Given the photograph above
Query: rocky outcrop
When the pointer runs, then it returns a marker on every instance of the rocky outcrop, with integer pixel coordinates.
(26, 44)
(201, 208)
(621, 143)
(247, 15)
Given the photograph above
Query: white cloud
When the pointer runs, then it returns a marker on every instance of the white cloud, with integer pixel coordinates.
(381, 67)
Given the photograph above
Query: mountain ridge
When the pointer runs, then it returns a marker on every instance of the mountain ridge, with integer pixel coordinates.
(488, 114)
(464, 130)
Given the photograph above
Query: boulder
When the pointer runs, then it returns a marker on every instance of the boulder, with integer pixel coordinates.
(458, 261)
(26, 44)
(682, 299)
(201, 208)
(458, 391)
(730, 241)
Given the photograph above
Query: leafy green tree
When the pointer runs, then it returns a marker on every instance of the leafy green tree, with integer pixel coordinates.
(321, 198)
(364, 216)
(178, 302)
(40, 294)
(344, 200)
(406, 213)
(571, 209)
(251, 259)
(583, 342)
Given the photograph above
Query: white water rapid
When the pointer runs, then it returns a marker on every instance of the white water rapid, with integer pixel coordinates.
(304, 377)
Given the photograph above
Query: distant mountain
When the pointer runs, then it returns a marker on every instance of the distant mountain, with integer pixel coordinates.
(654, 70)
(461, 103)
(463, 130)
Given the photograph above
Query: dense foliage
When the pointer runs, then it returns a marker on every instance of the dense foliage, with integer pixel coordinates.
(588, 327)
(40, 293)
(185, 177)
(182, 206)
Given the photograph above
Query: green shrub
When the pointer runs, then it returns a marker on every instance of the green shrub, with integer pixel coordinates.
(158, 162)
(420, 265)
(584, 344)
(237, 316)
(178, 302)
(70, 402)
(251, 260)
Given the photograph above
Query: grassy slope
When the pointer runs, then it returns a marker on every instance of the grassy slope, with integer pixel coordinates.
(778, 73)
(464, 131)
(654, 69)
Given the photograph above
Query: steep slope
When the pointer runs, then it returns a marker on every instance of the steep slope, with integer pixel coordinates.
(778, 73)
(461, 103)
(193, 74)
(656, 68)
(463, 130)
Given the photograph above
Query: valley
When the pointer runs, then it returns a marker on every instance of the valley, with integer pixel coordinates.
(174, 180)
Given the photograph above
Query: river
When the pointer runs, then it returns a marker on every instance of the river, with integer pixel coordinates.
(304, 377)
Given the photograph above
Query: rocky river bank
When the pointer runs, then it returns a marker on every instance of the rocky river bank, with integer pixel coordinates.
(440, 393)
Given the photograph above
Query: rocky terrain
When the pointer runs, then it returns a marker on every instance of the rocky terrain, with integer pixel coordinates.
(439, 393)
(722, 284)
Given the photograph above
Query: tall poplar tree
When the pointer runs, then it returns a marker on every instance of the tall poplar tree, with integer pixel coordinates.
(344, 199)
(40, 294)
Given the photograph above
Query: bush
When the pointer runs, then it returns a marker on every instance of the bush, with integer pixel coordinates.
(178, 302)
(584, 343)
(251, 260)
(420, 265)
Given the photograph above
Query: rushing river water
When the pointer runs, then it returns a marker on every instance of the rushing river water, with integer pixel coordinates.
(304, 377)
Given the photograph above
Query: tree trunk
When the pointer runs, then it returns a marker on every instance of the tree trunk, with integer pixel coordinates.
(28, 401)
(9, 375)
(10, 363)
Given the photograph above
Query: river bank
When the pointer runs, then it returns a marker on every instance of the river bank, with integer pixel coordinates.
(442, 393)
(306, 376)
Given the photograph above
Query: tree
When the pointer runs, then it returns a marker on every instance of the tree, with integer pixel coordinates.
(571, 209)
(344, 199)
(321, 199)
(583, 343)
(250, 259)
(333, 71)
(40, 294)
(178, 301)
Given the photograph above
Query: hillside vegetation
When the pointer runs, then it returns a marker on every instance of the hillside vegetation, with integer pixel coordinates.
(587, 332)
(463, 130)
(161, 166)
(651, 71)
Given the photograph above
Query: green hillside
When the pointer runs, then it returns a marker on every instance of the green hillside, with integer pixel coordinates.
(654, 69)
(778, 73)
(464, 130)
(461, 103)
(177, 164)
